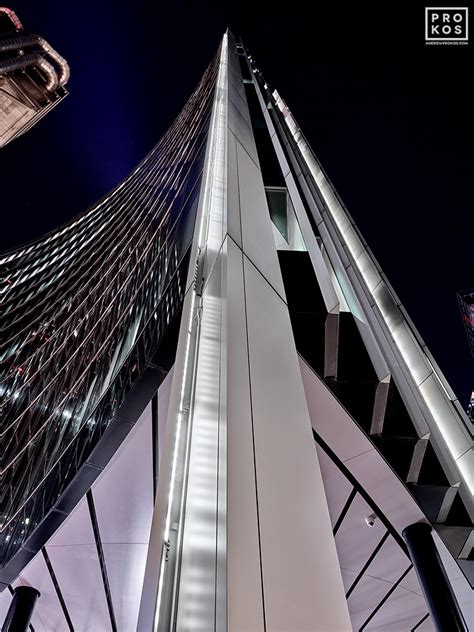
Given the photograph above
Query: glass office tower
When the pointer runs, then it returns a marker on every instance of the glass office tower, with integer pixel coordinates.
(223, 298)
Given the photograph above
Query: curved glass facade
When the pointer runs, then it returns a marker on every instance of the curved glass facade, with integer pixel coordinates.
(84, 310)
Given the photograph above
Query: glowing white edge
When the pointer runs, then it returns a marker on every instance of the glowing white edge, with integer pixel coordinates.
(451, 429)
(203, 224)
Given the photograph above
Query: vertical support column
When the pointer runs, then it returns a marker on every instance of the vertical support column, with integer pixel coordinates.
(444, 609)
(187, 543)
(200, 584)
(282, 567)
(21, 609)
(155, 448)
(241, 534)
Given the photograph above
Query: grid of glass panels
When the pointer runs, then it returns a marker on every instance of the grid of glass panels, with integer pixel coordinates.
(83, 312)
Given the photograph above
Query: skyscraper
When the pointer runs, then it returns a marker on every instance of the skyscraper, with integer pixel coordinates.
(216, 335)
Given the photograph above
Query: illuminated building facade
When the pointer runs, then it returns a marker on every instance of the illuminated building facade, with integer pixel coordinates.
(217, 413)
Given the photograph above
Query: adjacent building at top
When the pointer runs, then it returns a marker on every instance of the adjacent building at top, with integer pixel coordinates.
(470, 408)
(33, 77)
(466, 305)
(216, 412)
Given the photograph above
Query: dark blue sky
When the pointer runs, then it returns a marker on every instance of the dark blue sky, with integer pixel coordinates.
(387, 116)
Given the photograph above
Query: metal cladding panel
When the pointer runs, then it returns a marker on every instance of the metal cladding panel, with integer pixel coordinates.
(463, 593)
(47, 615)
(238, 103)
(76, 529)
(234, 225)
(125, 570)
(369, 593)
(164, 393)
(155, 549)
(348, 578)
(5, 600)
(257, 236)
(245, 606)
(197, 580)
(330, 419)
(426, 626)
(402, 611)
(461, 587)
(127, 486)
(389, 563)
(300, 578)
(336, 485)
(353, 529)
(368, 271)
(239, 124)
(73, 556)
(386, 489)
(457, 439)
(123, 497)
(238, 100)
(411, 583)
(285, 167)
(236, 87)
(466, 465)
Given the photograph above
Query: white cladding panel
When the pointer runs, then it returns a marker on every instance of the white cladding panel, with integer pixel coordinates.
(329, 418)
(47, 615)
(234, 227)
(245, 607)
(73, 555)
(354, 529)
(299, 561)
(257, 235)
(5, 600)
(126, 485)
(123, 499)
(336, 485)
(239, 124)
(402, 611)
(197, 580)
(163, 403)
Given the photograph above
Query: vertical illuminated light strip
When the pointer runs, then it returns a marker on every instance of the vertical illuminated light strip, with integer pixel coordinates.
(213, 207)
(433, 392)
(197, 581)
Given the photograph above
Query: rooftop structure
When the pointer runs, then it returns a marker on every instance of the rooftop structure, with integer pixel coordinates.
(33, 77)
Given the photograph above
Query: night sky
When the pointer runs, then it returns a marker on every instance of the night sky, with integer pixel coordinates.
(386, 115)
